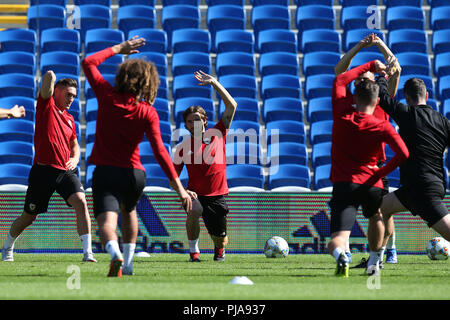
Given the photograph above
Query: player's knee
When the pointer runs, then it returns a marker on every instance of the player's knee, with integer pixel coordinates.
(197, 210)
(78, 200)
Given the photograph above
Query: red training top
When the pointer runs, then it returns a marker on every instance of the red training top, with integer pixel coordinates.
(357, 137)
(54, 130)
(205, 161)
(121, 123)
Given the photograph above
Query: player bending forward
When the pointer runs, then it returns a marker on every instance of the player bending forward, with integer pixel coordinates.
(357, 137)
(205, 159)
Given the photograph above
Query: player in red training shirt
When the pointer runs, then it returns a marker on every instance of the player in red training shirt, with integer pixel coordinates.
(125, 113)
(342, 66)
(356, 141)
(57, 154)
(205, 160)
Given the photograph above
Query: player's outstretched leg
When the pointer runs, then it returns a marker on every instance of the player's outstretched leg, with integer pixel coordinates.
(107, 225)
(193, 230)
(219, 247)
(336, 247)
(17, 227)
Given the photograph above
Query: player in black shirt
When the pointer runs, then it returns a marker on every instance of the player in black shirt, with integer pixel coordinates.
(426, 133)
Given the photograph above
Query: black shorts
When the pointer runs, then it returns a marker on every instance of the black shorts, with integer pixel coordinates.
(215, 210)
(114, 187)
(43, 181)
(345, 201)
(424, 200)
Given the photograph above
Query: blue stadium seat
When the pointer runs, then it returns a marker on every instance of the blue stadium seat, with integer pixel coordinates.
(247, 109)
(350, 3)
(395, 3)
(94, 16)
(91, 127)
(146, 152)
(445, 107)
(438, 3)
(310, 2)
(17, 62)
(283, 108)
(319, 40)
(394, 178)
(444, 88)
(242, 130)
(315, 17)
(280, 85)
(60, 39)
(235, 63)
(232, 40)
(187, 86)
(166, 132)
(46, 16)
(27, 103)
(319, 85)
(162, 108)
(285, 131)
(245, 175)
(414, 63)
(268, 16)
(16, 152)
(158, 59)
(183, 103)
(243, 152)
(18, 40)
(321, 154)
(351, 37)
(289, 175)
(239, 85)
(277, 40)
(60, 62)
(17, 84)
(110, 65)
(102, 38)
(440, 41)
(355, 17)
(320, 109)
(191, 39)
(190, 61)
(155, 39)
(364, 57)
(441, 64)
(183, 2)
(404, 17)
(89, 93)
(440, 18)
(61, 3)
(320, 131)
(287, 153)
(88, 177)
(179, 16)
(106, 3)
(407, 40)
(278, 62)
(91, 108)
(150, 3)
(14, 173)
(163, 89)
(155, 176)
(75, 110)
(224, 17)
(17, 130)
(135, 17)
(211, 3)
(428, 83)
(256, 3)
(322, 177)
(319, 62)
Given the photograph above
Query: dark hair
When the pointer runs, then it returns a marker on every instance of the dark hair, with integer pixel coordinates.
(416, 89)
(138, 77)
(366, 91)
(66, 82)
(194, 109)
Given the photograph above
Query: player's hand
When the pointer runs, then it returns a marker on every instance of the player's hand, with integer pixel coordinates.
(192, 194)
(71, 164)
(393, 67)
(129, 46)
(366, 42)
(380, 67)
(186, 201)
(203, 78)
(17, 112)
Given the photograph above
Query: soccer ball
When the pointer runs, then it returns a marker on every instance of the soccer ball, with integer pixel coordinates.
(438, 249)
(276, 247)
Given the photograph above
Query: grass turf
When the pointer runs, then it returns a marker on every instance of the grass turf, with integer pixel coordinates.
(172, 277)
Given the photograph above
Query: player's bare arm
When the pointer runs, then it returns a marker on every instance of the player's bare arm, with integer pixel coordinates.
(346, 60)
(129, 46)
(74, 155)
(48, 85)
(185, 198)
(14, 112)
(230, 104)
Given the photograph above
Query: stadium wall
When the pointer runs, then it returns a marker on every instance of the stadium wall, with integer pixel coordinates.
(301, 218)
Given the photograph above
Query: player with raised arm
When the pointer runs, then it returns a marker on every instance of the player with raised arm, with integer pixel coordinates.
(125, 114)
(341, 67)
(14, 112)
(357, 137)
(205, 159)
(55, 164)
(426, 133)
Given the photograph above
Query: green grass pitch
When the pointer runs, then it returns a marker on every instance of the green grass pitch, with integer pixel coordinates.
(172, 277)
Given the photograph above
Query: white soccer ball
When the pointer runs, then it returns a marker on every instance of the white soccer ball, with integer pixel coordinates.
(438, 249)
(276, 247)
